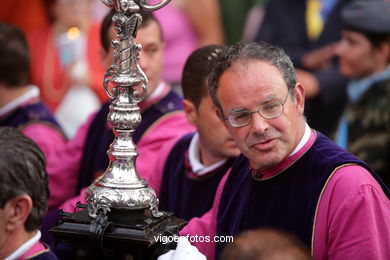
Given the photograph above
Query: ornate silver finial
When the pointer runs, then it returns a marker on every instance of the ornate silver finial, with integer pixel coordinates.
(120, 186)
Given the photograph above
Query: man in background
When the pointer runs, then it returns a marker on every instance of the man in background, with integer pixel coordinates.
(308, 30)
(21, 107)
(364, 53)
(188, 171)
(23, 197)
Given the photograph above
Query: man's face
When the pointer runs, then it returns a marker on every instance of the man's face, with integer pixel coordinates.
(214, 138)
(265, 142)
(358, 58)
(151, 55)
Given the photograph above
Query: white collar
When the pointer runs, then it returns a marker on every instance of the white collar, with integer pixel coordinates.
(194, 157)
(33, 92)
(160, 88)
(304, 139)
(24, 247)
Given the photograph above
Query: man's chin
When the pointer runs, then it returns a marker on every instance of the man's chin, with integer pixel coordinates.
(265, 163)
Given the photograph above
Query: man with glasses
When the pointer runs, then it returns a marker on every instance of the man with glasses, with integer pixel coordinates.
(290, 177)
(268, 109)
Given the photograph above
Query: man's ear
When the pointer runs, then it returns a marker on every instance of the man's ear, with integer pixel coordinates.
(190, 111)
(19, 208)
(383, 52)
(299, 91)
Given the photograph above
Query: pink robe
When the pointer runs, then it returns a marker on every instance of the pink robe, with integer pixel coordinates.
(353, 217)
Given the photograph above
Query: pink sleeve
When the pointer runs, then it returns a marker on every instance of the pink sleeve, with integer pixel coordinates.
(207, 224)
(164, 130)
(46, 137)
(51, 142)
(353, 220)
(63, 168)
(70, 204)
(63, 160)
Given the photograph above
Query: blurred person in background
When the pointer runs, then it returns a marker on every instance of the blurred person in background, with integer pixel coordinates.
(25, 14)
(65, 62)
(265, 244)
(364, 53)
(308, 31)
(187, 25)
(21, 108)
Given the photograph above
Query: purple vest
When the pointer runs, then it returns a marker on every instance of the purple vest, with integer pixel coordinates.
(36, 112)
(287, 201)
(182, 193)
(95, 159)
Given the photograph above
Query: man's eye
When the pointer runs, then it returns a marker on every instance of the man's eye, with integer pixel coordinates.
(151, 50)
(241, 115)
(270, 106)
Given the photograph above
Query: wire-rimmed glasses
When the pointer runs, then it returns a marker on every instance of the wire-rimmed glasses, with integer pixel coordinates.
(267, 110)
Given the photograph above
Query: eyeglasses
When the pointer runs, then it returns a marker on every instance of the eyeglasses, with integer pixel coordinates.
(267, 110)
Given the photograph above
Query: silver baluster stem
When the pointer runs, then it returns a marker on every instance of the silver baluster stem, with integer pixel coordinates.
(121, 186)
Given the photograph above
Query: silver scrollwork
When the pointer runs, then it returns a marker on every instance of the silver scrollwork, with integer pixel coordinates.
(118, 4)
(100, 198)
(154, 7)
(120, 186)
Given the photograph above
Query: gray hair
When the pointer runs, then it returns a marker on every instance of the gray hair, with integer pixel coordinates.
(242, 52)
(23, 171)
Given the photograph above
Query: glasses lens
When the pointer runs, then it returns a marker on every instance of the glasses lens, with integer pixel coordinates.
(239, 118)
(271, 110)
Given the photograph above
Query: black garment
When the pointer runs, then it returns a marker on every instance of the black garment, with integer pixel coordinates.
(184, 193)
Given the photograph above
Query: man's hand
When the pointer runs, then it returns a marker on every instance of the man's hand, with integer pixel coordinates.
(319, 59)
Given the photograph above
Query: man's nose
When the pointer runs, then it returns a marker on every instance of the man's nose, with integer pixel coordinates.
(258, 123)
(142, 60)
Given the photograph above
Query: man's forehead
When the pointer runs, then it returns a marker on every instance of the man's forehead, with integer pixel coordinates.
(248, 64)
(150, 32)
(257, 74)
(250, 83)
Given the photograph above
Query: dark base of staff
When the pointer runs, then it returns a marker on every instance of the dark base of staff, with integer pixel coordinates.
(121, 234)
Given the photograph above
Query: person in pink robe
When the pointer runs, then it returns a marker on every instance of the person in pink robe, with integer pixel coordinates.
(21, 107)
(24, 194)
(52, 62)
(349, 218)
